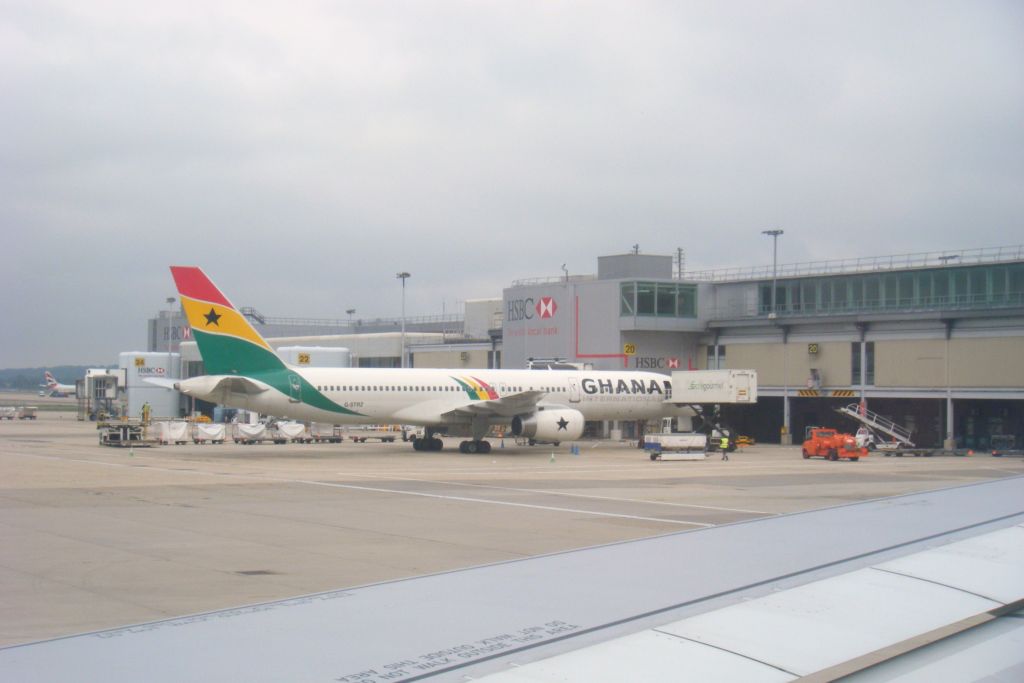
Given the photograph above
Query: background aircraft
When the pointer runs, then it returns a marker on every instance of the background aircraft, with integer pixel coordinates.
(55, 388)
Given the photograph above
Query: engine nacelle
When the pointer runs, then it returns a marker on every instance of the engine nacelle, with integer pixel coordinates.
(558, 424)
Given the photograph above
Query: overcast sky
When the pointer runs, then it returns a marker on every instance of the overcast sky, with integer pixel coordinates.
(304, 152)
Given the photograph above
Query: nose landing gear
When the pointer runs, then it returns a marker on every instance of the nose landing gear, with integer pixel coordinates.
(428, 442)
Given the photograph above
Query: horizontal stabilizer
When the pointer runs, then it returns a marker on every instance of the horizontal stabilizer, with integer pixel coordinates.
(209, 384)
(165, 382)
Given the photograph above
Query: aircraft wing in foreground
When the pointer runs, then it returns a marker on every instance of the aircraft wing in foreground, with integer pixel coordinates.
(935, 576)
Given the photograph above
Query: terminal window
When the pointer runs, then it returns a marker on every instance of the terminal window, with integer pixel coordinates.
(869, 363)
(661, 299)
(965, 287)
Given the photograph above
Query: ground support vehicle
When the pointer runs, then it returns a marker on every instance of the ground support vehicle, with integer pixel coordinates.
(676, 446)
(249, 434)
(1004, 445)
(873, 424)
(8, 412)
(283, 432)
(123, 433)
(171, 431)
(382, 433)
(27, 412)
(320, 432)
(208, 433)
(824, 442)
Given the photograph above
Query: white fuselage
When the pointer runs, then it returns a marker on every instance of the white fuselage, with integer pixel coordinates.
(448, 396)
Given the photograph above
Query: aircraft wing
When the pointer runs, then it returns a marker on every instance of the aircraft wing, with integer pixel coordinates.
(437, 412)
(827, 592)
(506, 406)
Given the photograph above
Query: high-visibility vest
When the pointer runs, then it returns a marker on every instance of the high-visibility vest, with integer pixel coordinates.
(725, 442)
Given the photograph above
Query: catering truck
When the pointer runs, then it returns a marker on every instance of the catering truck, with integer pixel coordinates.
(714, 386)
(703, 391)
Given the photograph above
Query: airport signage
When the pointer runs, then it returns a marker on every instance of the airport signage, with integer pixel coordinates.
(655, 363)
(529, 308)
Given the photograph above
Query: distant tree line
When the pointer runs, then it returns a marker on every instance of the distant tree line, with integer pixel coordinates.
(30, 379)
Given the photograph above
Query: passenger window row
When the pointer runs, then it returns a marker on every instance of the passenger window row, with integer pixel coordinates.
(333, 387)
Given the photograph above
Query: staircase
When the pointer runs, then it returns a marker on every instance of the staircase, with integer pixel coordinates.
(875, 421)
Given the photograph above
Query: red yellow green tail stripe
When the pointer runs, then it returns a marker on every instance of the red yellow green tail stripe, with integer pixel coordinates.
(227, 342)
(477, 388)
(230, 345)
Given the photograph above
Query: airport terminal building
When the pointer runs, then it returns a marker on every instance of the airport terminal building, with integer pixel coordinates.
(934, 342)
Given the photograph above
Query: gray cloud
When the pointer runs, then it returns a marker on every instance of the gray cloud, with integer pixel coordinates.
(304, 154)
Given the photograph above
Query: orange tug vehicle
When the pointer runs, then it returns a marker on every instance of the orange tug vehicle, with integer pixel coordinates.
(828, 443)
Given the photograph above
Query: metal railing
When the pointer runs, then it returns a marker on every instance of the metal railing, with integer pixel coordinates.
(921, 304)
(554, 279)
(250, 312)
(867, 264)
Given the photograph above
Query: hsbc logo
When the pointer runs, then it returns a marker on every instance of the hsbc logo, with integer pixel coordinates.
(529, 308)
(546, 307)
(653, 363)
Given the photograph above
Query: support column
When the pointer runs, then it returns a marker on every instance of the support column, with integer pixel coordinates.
(786, 438)
(787, 432)
(950, 441)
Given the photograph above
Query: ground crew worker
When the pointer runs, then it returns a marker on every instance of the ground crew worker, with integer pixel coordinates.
(724, 445)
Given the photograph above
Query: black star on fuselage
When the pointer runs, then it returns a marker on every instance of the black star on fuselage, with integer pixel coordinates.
(212, 317)
(562, 424)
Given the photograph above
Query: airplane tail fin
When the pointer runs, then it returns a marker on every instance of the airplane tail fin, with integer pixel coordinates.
(228, 343)
(49, 379)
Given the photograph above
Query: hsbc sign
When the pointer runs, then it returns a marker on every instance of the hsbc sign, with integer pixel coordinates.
(529, 308)
(654, 363)
(546, 307)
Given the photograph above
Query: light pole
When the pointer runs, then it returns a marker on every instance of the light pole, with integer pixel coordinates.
(403, 276)
(775, 261)
(170, 315)
(785, 437)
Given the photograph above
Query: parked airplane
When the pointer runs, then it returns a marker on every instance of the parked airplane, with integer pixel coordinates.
(55, 388)
(549, 405)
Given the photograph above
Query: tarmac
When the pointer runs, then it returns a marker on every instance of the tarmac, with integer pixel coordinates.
(96, 537)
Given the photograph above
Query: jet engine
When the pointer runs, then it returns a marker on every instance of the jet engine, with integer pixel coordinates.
(557, 424)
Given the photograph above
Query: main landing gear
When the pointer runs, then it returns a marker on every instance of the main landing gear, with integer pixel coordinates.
(476, 446)
(428, 442)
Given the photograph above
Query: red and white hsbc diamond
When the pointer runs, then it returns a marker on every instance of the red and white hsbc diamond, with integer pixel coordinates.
(546, 307)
